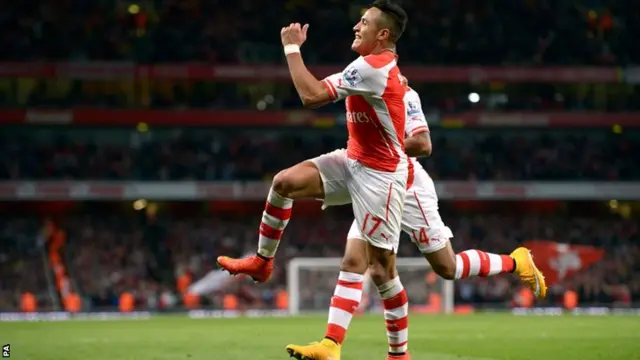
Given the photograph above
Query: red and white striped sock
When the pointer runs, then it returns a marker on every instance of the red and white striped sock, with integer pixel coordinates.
(396, 315)
(275, 218)
(344, 303)
(367, 284)
(480, 263)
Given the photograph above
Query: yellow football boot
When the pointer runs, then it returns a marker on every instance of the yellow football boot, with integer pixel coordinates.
(323, 350)
(528, 272)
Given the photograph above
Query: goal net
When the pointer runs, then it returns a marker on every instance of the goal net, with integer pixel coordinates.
(311, 282)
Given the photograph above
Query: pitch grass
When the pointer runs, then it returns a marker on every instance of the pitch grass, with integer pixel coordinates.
(473, 337)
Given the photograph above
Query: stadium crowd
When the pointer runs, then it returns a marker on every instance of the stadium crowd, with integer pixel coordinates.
(258, 154)
(109, 254)
(522, 32)
(487, 32)
(199, 94)
(21, 264)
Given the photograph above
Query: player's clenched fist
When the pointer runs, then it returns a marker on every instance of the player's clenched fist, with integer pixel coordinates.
(294, 34)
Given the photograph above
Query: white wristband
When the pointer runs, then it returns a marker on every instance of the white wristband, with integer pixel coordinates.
(291, 49)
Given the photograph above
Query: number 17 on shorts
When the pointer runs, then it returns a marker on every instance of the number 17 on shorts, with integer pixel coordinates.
(371, 224)
(378, 232)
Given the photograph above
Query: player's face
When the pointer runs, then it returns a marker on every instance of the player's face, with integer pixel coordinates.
(367, 33)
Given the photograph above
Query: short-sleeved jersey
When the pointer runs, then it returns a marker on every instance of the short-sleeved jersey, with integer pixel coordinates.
(376, 114)
(416, 123)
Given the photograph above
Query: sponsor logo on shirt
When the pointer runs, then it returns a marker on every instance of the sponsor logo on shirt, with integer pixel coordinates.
(358, 117)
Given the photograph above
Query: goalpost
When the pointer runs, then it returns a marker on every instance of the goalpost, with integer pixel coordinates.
(311, 282)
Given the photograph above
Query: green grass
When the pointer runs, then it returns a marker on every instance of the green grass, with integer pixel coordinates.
(474, 337)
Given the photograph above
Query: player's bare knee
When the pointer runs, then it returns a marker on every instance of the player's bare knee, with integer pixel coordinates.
(443, 262)
(378, 274)
(446, 271)
(383, 258)
(283, 183)
(299, 181)
(382, 265)
(353, 263)
(381, 274)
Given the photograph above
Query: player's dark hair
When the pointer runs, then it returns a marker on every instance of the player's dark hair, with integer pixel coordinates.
(395, 16)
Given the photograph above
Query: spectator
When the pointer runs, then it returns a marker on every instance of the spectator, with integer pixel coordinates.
(252, 155)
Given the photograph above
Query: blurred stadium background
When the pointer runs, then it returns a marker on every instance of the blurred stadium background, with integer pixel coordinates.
(138, 139)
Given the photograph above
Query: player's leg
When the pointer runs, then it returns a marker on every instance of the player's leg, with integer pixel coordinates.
(380, 264)
(382, 267)
(378, 201)
(377, 207)
(479, 263)
(309, 179)
(299, 181)
(344, 302)
(361, 257)
(426, 229)
(348, 293)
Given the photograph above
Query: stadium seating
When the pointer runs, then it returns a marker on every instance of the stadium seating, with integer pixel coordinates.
(206, 154)
(108, 256)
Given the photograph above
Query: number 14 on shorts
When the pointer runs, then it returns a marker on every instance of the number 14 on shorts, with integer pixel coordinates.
(420, 237)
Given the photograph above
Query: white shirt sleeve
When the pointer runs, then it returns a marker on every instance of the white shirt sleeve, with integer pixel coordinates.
(416, 121)
(359, 78)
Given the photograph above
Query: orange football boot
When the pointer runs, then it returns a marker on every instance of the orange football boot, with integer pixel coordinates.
(254, 266)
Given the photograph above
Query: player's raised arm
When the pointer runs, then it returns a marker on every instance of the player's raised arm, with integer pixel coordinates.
(311, 90)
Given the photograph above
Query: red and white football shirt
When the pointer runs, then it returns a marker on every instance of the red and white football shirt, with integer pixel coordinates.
(416, 120)
(376, 114)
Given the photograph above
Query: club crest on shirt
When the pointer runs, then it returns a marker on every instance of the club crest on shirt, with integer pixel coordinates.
(352, 77)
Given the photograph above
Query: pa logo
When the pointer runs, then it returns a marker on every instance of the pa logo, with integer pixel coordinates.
(6, 351)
